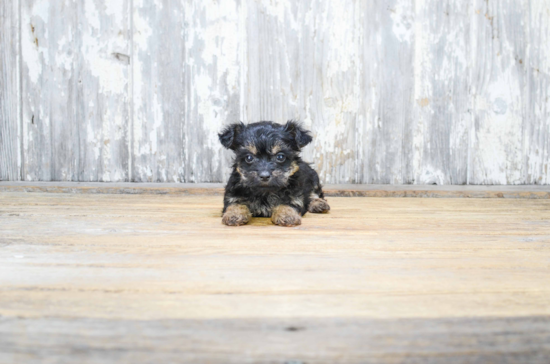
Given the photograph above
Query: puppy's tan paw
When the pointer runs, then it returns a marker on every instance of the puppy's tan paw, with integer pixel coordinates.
(236, 215)
(285, 216)
(318, 206)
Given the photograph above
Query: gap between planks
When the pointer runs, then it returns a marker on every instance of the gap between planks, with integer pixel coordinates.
(340, 190)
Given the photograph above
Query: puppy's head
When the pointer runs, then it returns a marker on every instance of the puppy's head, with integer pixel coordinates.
(266, 154)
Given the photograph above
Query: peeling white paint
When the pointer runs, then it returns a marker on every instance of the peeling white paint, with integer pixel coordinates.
(31, 51)
(41, 9)
(92, 16)
(111, 77)
(115, 9)
(402, 14)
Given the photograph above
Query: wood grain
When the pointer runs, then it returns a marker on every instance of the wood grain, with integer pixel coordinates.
(10, 92)
(122, 278)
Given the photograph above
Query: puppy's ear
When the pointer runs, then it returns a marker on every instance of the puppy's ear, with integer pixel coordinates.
(301, 135)
(229, 135)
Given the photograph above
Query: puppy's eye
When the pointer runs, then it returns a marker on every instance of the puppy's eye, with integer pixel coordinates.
(249, 159)
(280, 157)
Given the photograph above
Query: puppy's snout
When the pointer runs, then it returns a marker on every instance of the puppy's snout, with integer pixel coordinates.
(265, 176)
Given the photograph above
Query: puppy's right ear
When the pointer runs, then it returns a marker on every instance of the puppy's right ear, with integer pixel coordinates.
(228, 137)
(301, 135)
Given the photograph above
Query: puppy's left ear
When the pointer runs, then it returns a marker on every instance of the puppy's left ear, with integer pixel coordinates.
(228, 137)
(301, 135)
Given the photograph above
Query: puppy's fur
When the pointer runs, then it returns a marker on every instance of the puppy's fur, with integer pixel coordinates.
(269, 179)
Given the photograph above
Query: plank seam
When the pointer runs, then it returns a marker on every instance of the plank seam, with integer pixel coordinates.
(131, 97)
(20, 89)
(216, 189)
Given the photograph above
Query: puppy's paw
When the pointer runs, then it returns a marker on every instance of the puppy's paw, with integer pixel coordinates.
(236, 215)
(318, 206)
(285, 216)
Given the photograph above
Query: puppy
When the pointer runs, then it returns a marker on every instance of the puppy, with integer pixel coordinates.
(269, 179)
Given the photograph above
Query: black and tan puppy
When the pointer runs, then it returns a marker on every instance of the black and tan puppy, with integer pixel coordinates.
(269, 179)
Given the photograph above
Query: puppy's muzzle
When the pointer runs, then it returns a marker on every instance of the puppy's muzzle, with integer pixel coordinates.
(265, 176)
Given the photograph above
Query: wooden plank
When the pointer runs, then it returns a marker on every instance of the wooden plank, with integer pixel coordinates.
(385, 136)
(10, 93)
(50, 132)
(213, 84)
(441, 98)
(537, 127)
(104, 277)
(159, 123)
(276, 60)
(499, 90)
(296, 340)
(102, 92)
(75, 93)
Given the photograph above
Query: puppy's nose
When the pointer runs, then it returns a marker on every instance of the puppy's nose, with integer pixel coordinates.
(265, 176)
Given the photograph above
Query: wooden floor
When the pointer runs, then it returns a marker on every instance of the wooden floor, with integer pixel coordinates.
(158, 279)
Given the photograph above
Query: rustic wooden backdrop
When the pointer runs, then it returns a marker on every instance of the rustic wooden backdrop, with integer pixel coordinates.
(395, 91)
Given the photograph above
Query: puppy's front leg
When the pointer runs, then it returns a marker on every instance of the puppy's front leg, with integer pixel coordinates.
(285, 215)
(236, 215)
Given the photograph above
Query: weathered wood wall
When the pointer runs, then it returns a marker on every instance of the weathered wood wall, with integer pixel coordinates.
(395, 91)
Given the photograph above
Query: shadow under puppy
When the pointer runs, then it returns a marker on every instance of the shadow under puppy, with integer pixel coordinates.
(269, 179)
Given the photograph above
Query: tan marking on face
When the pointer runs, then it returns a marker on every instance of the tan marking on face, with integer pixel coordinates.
(236, 215)
(285, 215)
(241, 173)
(277, 148)
(251, 148)
(285, 175)
(293, 169)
